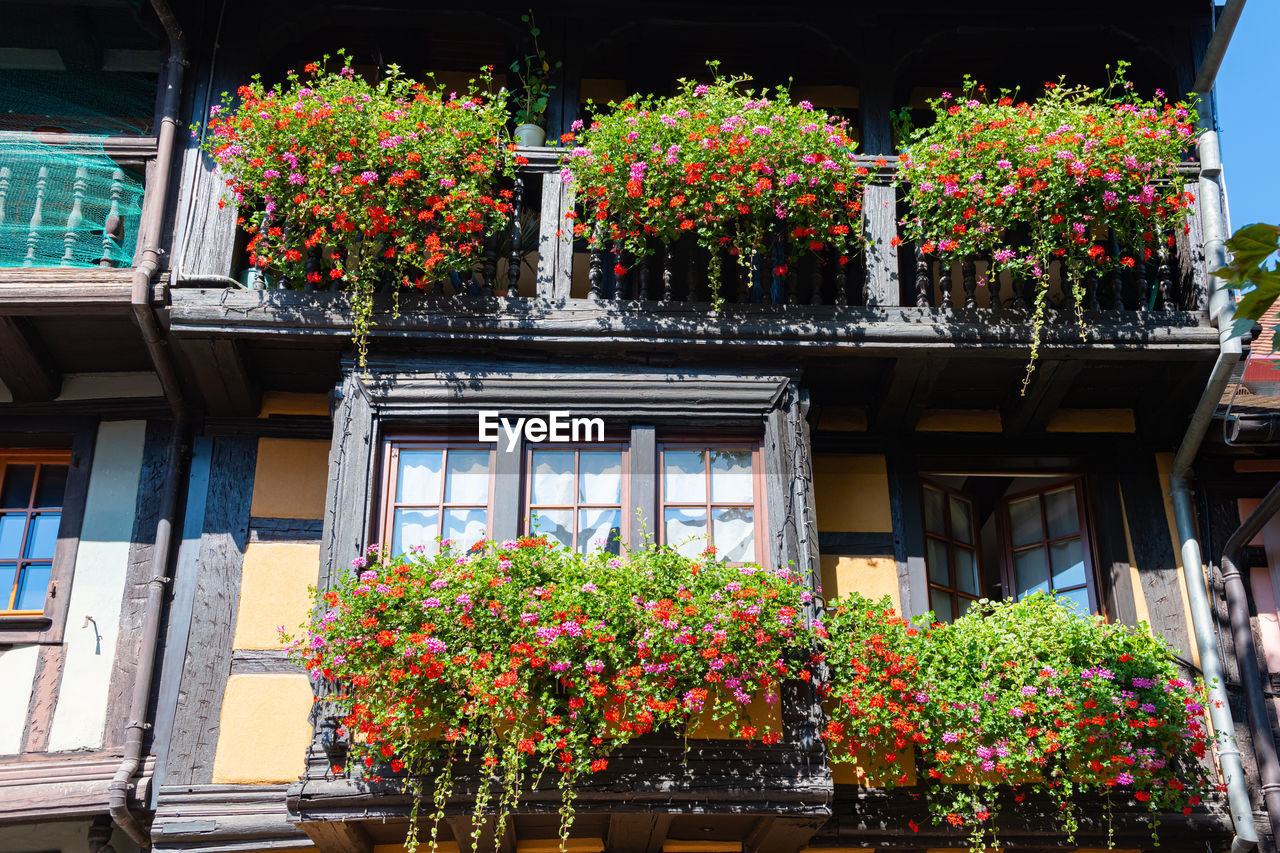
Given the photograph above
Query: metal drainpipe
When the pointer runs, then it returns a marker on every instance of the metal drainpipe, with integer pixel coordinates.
(179, 444)
(1264, 744)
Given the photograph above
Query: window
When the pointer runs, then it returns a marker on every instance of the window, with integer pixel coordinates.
(1046, 545)
(709, 495)
(578, 496)
(437, 491)
(32, 486)
(951, 551)
(996, 536)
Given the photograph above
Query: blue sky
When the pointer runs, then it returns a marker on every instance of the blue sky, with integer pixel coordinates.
(1249, 115)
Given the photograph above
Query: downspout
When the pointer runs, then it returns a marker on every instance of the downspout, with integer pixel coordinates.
(1264, 743)
(1221, 308)
(179, 444)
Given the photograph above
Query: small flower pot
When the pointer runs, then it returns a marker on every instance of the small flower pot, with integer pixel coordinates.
(530, 135)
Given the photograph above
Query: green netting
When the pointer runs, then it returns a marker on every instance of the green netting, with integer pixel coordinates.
(65, 205)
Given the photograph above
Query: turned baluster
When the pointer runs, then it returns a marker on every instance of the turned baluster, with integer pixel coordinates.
(691, 279)
(1091, 289)
(37, 218)
(924, 280)
(1146, 292)
(642, 283)
(969, 281)
(1020, 287)
(76, 218)
(5, 176)
(489, 265)
(668, 259)
(513, 264)
(595, 273)
(842, 280)
(944, 283)
(113, 226)
(1164, 276)
(744, 279)
(620, 279)
(815, 282)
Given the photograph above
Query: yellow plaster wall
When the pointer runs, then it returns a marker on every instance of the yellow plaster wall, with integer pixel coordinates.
(290, 478)
(959, 420)
(851, 493)
(762, 714)
(874, 577)
(1091, 420)
(293, 403)
(273, 592)
(869, 771)
(263, 731)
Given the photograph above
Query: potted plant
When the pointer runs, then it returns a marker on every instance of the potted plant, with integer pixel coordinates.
(1028, 184)
(339, 180)
(732, 169)
(533, 72)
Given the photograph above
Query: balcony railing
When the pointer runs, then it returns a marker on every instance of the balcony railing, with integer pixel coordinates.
(68, 200)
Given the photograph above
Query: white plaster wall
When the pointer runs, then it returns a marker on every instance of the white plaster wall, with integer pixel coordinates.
(64, 837)
(93, 386)
(17, 673)
(97, 587)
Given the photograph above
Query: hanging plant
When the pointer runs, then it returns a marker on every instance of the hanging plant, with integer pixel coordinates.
(731, 168)
(1026, 184)
(531, 660)
(1017, 698)
(342, 180)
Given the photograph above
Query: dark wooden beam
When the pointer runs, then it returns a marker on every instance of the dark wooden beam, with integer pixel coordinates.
(221, 376)
(335, 836)
(51, 292)
(906, 393)
(637, 832)
(26, 368)
(1047, 388)
(463, 827)
(781, 834)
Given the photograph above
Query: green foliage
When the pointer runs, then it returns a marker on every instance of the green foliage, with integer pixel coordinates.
(732, 168)
(395, 180)
(1031, 183)
(533, 71)
(1251, 247)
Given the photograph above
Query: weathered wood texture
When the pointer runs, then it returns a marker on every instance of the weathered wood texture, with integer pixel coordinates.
(213, 617)
(641, 832)
(349, 492)
(880, 213)
(224, 817)
(26, 368)
(1107, 528)
(1153, 549)
(1047, 387)
(908, 533)
(644, 485)
(49, 292)
(555, 243)
(38, 788)
(137, 580)
(285, 529)
(262, 661)
(44, 697)
(226, 386)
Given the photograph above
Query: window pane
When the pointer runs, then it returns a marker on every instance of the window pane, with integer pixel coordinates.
(966, 570)
(1031, 573)
(1067, 559)
(1024, 521)
(679, 524)
(42, 537)
(684, 476)
(418, 480)
(33, 586)
(940, 604)
(600, 477)
(965, 604)
(52, 486)
(553, 477)
(465, 527)
(961, 520)
(11, 527)
(467, 477)
(937, 561)
(733, 532)
(731, 480)
(1078, 599)
(935, 506)
(18, 480)
(7, 571)
(599, 530)
(554, 524)
(415, 527)
(1060, 512)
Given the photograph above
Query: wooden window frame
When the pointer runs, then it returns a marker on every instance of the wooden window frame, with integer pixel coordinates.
(625, 509)
(74, 446)
(1008, 579)
(948, 538)
(40, 459)
(759, 496)
(391, 447)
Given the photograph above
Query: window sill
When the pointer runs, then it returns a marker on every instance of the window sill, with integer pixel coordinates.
(21, 628)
